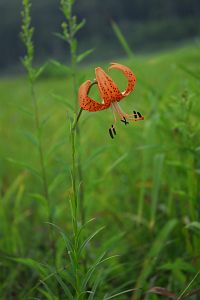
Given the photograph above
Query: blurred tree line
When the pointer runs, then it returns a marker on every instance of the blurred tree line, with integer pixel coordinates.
(147, 25)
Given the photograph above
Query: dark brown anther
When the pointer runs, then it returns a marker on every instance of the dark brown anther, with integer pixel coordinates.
(135, 114)
(139, 114)
(110, 132)
(114, 131)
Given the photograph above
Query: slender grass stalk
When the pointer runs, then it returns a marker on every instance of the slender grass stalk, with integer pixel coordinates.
(40, 149)
(188, 286)
(26, 36)
(122, 39)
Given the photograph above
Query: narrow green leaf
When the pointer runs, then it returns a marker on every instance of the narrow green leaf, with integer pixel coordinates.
(46, 294)
(91, 270)
(95, 285)
(25, 110)
(178, 265)
(14, 186)
(40, 198)
(33, 264)
(65, 238)
(64, 287)
(194, 226)
(58, 64)
(79, 26)
(183, 295)
(44, 121)
(40, 70)
(122, 39)
(56, 182)
(94, 155)
(32, 138)
(60, 36)
(190, 72)
(54, 148)
(89, 239)
(63, 100)
(82, 227)
(119, 160)
(84, 55)
(119, 294)
(25, 166)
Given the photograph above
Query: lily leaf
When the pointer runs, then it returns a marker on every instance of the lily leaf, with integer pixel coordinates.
(25, 166)
(40, 70)
(80, 25)
(60, 36)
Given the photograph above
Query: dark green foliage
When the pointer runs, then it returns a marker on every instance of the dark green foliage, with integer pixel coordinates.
(147, 24)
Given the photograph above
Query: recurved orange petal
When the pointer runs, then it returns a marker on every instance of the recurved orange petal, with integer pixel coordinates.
(85, 101)
(129, 75)
(108, 89)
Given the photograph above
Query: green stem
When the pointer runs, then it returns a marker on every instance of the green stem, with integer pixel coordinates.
(42, 165)
(78, 209)
(79, 159)
(40, 149)
(77, 119)
(75, 208)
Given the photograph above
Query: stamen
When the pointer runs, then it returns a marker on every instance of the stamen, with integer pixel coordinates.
(115, 120)
(117, 108)
(123, 115)
(136, 116)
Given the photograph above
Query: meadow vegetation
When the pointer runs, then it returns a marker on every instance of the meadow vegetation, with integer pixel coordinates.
(141, 189)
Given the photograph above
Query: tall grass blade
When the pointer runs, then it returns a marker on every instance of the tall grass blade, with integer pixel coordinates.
(83, 55)
(91, 270)
(119, 294)
(95, 285)
(122, 39)
(33, 264)
(64, 287)
(195, 75)
(89, 239)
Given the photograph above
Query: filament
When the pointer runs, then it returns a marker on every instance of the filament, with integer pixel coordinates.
(123, 115)
(113, 111)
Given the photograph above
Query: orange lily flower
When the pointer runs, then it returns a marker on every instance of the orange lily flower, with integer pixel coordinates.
(110, 95)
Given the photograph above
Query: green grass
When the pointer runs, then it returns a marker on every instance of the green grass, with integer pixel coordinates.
(143, 186)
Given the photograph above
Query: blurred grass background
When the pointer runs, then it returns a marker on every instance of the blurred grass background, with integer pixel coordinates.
(143, 185)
